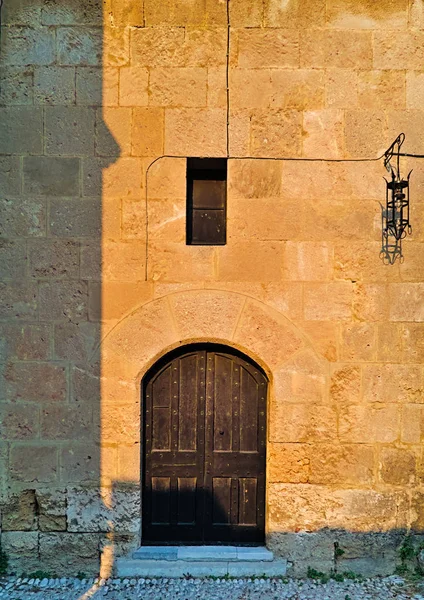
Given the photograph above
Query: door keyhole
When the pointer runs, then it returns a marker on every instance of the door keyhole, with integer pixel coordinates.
(221, 432)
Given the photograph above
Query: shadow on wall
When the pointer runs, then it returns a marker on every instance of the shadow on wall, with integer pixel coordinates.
(54, 149)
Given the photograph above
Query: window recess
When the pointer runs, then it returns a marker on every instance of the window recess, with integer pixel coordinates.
(207, 201)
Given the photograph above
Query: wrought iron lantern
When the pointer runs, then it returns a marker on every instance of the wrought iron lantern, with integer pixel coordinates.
(395, 214)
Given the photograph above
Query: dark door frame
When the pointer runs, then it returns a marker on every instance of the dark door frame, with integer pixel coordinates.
(156, 368)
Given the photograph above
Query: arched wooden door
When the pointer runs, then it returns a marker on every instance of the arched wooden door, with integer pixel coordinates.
(204, 448)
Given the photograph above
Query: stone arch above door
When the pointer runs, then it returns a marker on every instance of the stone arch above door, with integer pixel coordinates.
(233, 319)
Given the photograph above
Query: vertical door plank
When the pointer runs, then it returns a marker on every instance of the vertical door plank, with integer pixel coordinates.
(248, 412)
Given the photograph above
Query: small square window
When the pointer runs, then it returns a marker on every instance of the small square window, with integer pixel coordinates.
(206, 201)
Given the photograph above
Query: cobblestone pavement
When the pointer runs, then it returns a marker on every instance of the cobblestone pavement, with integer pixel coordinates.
(207, 589)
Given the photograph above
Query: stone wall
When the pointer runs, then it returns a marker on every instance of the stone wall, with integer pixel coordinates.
(95, 287)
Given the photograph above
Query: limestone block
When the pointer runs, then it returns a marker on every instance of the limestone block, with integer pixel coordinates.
(414, 89)
(411, 123)
(250, 88)
(63, 300)
(22, 218)
(97, 86)
(19, 512)
(239, 132)
(250, 261)
(118, 298)
(285, 297)
(216, 87)
(339, 49)
(120, 424)
(13, 259)
(308, 261)
(10, 180)
(79, 46)
(129, 463)
(24, 342)
(206, 314)
(148, 131)
(246, 13)
(64, 12)
(34, 381)
(288, 463)
(185, 13)
(300, 89)
(347, 464)
(359, 261)
(133, 84)
(175, 47)
(262, 220)
(51, 176)
(21, 130)
(90, 260)
(124, 261)
(376, 139)
(397, 466)
(304, 549)
(75, 341)
(123, 14)
(328, 301)
(18, 300)
(323, 133)
(254, 178)
(70, 552)
(341, 88)
(116, 46)
(69, 130)
(349, 14)
(54, 85)
(75, 218)
(295, 15)
(181, 87)
(22, 550)
(16, 86)
(52, 509)
(381, 88)
(370, 302)
(266, 334)
(368, 424)
(53, 258)
(33, 463)
(393, 383)
(302, 378)
(195, 131)
(406, 51)
(323, 335)
(86, 384)
(22, 12)
(166, 179)
(111, 179)
(345, 386)
(66, 422)
(301, 422)
(79, 463)
(413, 342)
(417, 511)
(339, 180)
(113, 132)
(297, 507)
(359, 342)
(276, 133)
(103, 510)
(27, 46)
(264, 48)
(412, 423)
(19, 421)
(389, 342)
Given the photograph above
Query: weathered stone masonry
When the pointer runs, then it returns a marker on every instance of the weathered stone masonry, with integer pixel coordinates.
(90, 95)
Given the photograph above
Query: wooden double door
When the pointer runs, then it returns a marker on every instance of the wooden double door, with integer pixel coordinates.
(204, 449)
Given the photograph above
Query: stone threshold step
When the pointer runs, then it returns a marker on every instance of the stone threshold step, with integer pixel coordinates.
(127, 567)
(204, 553)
